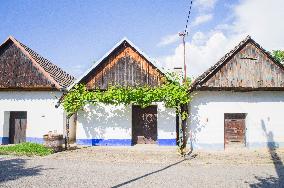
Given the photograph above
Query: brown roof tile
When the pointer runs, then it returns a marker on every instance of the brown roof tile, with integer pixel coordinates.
(62, 78)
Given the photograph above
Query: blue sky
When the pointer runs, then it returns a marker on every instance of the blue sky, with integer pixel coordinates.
(73, 34)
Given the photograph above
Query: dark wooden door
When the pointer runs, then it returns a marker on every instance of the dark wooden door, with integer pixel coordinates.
(17, 128)
(235, 130)
(144, 125)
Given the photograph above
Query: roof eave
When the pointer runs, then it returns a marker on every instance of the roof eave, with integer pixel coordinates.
(108, 53)
(57, 85)
(197, 84)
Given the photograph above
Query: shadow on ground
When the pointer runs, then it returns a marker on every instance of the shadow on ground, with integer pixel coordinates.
(271, 181)
(148, 174)
(12, 169)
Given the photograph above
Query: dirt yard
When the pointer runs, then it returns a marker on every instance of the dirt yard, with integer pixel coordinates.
(165, 155)
(145, 166)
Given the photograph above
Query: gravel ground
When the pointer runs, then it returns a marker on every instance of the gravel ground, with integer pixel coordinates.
(144, 167)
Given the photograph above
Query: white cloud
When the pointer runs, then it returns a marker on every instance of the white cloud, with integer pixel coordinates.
(199, 57)
(205, 4)
(224, 27)
(262, 20)
(169, 39)
(202, 19)
(199, 38)
(259, 18)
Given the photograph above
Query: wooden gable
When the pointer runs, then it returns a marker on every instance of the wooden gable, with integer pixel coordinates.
(123, 66)
(21, 68)
(247, 67)
(17, 70)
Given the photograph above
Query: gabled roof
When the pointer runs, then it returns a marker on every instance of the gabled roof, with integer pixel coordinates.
(226, 58)
(53, 73)
(116, 46)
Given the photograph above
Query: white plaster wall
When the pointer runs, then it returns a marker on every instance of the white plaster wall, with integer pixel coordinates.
(42, 116)
(264, 120)
(104, 122)
(115, 122)
(166, 122)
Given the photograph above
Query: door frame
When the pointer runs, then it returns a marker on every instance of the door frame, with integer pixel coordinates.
(132, 124)
(244, 115)
(21, 115)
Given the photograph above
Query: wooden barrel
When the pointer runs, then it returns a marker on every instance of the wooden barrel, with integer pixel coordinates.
(53, 141)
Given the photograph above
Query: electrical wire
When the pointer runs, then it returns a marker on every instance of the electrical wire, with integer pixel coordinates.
(187, 20)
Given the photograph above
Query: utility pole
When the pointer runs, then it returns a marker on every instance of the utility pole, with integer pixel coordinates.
(183, 35)
(183, 108)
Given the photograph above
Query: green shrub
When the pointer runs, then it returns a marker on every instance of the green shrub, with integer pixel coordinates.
(25, 148)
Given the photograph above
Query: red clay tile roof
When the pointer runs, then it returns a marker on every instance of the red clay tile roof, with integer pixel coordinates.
(56, 75)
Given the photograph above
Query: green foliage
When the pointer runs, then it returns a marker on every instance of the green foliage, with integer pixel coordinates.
(278, 55)
(172, 92)
(25, 148)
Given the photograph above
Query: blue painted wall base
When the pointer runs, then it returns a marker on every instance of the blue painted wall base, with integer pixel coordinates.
(271, 145)
(5, 140)
(120, 142)
(104, 142)
(161, 142)
(34, 140)
(250, 145)
(96, 142)
(167, 142)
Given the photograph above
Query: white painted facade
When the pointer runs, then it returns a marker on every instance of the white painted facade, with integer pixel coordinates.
(42, 116)
(103, 122)
(112, 125)
(166, 122)
(264, 119)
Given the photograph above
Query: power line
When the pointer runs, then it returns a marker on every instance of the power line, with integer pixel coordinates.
(183, 35)
(187, 20)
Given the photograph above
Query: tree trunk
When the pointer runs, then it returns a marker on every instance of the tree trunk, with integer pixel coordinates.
(177, 127)
(67, 144)
(72, 128)
(184, 108)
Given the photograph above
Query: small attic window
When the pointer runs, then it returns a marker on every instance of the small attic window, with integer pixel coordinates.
(250, 58)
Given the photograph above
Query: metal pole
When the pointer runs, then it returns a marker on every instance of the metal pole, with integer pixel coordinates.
(184, 64)
(183, 108)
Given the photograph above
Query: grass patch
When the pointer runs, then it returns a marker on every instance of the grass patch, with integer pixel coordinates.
(26, 148)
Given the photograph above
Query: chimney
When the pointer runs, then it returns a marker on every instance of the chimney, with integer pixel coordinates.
(178, 71)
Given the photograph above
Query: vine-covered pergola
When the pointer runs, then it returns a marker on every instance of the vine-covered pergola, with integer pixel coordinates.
(172, 92)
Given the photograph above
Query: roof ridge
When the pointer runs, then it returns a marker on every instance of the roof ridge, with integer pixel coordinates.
(124, 39)
(45, 73)
(151, 60)
(49, 62)
(48, 67)
(228, 55)
(219, 63)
